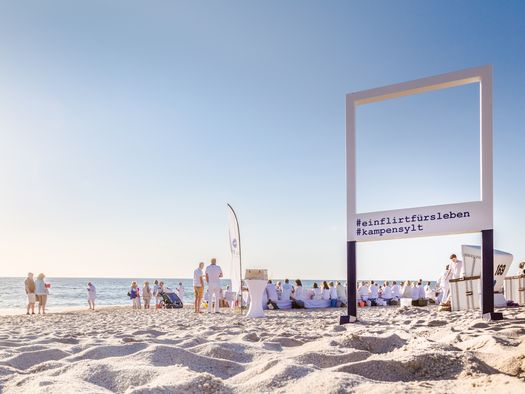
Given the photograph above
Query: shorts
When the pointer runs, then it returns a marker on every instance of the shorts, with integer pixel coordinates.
(31, 298)
(199, 291)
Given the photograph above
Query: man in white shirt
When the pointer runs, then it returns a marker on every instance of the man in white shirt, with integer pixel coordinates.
(396, 291)
(198, 286)
(287, 290)
(457, 267)
(271, 293)
(213, 278)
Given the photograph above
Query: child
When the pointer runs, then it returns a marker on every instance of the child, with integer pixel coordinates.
(134, 295)
(92, 295)
(146, 294)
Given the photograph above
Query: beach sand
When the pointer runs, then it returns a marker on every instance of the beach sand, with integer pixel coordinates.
(390, 350)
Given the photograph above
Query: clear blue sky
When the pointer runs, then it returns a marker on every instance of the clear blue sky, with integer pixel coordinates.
(126, 126)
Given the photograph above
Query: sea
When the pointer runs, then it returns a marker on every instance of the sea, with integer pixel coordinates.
(72, 292)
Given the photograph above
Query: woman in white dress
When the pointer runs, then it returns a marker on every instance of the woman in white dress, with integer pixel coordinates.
(326, 291)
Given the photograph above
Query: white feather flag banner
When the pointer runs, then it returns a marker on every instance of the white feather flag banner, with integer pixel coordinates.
(235, 248)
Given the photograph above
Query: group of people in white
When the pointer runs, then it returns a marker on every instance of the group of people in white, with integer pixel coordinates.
(370, 293)
(334, 292)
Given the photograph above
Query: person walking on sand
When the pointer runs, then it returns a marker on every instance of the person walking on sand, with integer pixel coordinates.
(198, 286)
(213, 278)
(30, 291)
(92, 295)
(146, 295)
(41, 293)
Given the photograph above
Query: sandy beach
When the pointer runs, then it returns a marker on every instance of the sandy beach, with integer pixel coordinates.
(390, 350)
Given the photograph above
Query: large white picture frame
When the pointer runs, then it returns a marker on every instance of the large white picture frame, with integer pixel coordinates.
(465, 217)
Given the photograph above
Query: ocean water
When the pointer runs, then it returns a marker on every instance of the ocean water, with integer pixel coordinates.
(72, 292)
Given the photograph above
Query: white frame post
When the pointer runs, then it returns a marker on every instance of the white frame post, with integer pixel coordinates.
(465, 217)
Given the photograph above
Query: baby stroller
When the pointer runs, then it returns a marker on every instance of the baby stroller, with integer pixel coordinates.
(170, 300)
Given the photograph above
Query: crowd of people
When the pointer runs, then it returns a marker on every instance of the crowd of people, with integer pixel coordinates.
(334, 292)
(210, 295)
(371, 294)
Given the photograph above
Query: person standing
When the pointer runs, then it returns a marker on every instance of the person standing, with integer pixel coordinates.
(180, 291)
(146, 295)
(213, 278)
(156, 293)
(92, 295)
(41, 293)
(30, 291)
(456, 267)
(198, 286)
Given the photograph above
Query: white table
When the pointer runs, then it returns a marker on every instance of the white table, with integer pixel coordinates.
(256, 288)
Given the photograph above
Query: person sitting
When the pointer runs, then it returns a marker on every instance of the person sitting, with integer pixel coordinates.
(333, 295)
(317, 293)
(363, 292)
(229, 298)
(396, 291)
(406, 291)
(374, 292)
(298, 296)
(286, 290)
(429, 293)
(325, 291)
(414, 294)
(341, 294)
(271, 293)
(279, 289)
(421, 288)
(387, 292)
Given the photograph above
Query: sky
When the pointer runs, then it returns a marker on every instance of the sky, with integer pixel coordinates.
(126, 127)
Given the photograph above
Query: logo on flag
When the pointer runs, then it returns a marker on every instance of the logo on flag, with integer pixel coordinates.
(234, 243)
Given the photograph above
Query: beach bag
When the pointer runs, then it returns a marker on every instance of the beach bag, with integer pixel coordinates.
(444, 308)
(422, 302)
(393, 302)
(132, 294)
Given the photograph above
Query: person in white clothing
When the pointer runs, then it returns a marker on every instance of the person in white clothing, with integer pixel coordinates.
(396, 291)
(363, 291)
(445, 284)
(326, 291)
(92, 295)
(286, 290)
(180, 291)
(421, 290)
(333, 295)
(213, 278)
(373, 291)
(414, 292)
(341, 294)
(271, 293)
(198, 286)
(456, 267)
(387, 292)
(317, 292)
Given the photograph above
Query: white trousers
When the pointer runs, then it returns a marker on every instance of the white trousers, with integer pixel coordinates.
(214, 290)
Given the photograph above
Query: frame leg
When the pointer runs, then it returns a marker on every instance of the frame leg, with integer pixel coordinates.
(351, 279)
(487, 277)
